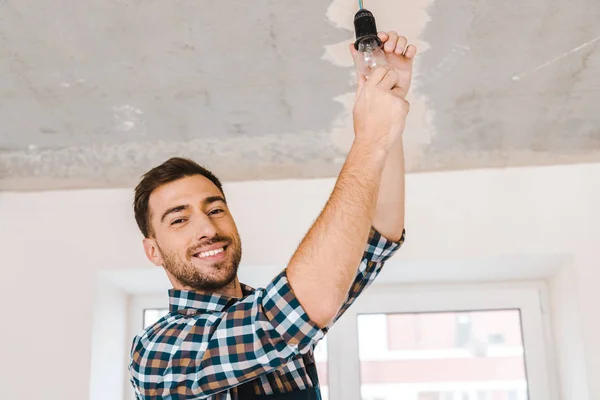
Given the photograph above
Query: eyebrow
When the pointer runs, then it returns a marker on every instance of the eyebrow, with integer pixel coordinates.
(207, 201)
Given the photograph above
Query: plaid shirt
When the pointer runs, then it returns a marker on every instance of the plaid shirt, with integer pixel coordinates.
(208, 343)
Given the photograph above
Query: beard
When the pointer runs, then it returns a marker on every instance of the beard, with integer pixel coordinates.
(220, 274)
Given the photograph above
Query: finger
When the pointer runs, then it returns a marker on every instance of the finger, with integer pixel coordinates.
(353, 50)
(378, 74)
(389, 80)
(390, 44)
(401, 45)
(360, 82)
(399, 92)
(411, 52)
(383, 36)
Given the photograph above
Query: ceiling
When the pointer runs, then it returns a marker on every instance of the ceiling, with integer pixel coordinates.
(94, 93)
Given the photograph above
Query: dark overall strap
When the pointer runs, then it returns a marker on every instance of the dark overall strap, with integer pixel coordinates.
(311, 369)
(246, 391)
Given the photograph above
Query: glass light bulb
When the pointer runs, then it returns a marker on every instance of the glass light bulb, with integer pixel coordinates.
(369, 56)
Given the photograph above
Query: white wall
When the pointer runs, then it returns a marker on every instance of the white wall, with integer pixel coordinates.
(54, 245)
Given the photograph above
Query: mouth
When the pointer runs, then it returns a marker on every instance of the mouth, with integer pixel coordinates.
(211, 254)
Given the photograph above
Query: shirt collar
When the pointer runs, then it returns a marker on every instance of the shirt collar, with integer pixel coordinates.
(201, 301)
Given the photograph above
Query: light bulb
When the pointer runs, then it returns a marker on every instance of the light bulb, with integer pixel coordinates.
(370, 54)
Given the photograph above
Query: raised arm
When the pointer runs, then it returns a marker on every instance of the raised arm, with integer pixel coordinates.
(389, 214)
(325, 264)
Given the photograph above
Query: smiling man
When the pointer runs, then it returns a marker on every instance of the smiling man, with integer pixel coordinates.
(224, 340)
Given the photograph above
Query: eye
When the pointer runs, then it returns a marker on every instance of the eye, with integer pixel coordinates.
(216, 211)
(177, 221)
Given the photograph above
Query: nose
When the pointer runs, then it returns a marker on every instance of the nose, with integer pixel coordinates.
(205, 227)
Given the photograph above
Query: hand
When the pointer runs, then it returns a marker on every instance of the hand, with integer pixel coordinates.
(380, 109)
(399, 56)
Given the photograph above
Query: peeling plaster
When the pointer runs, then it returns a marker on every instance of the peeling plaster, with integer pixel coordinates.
(102, 115)
(101, 165)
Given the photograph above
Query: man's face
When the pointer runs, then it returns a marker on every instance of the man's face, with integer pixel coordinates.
(195, 237)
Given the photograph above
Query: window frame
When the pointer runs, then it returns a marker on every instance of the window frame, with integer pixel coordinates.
(529, 297)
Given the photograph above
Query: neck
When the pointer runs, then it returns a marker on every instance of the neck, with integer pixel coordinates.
(232, 289)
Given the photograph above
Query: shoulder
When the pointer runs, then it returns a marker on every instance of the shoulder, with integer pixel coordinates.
(163, 339)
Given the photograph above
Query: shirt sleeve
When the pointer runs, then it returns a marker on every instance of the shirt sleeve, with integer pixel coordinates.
(199, 356)
(378, 250)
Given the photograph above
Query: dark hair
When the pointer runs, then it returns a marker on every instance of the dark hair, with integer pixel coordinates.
(171, 170)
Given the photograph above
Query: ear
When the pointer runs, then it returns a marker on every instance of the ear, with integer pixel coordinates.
(152, 252)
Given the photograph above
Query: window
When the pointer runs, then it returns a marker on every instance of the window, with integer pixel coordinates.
(452, 342)
(424, 358)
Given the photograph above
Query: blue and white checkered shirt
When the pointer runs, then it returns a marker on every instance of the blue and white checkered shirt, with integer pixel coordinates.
(208, 343)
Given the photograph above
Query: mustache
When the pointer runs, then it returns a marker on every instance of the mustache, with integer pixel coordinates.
(215, 239)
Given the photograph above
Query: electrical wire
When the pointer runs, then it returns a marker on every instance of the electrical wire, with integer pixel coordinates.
(360, 4)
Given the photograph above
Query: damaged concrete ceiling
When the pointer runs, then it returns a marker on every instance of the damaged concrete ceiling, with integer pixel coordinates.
(92, 94)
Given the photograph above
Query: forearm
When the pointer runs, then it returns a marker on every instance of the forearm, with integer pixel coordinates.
(324, 265)
(389, 213)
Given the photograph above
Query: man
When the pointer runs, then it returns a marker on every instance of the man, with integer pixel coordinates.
(224, 340)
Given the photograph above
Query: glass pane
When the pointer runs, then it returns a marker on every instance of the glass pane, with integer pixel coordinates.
(151, 315)
(321, 362)
(474, 355)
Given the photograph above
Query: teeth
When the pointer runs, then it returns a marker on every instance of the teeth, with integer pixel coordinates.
(210, 253)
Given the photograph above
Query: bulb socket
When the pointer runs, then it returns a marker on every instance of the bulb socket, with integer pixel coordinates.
(365, 27)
